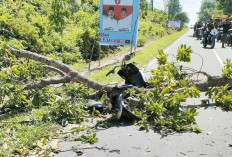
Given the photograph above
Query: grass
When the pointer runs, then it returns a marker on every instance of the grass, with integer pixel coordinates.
(21, 132)
(141, 58)
(83, 65)
(100, 76)
(150, 52)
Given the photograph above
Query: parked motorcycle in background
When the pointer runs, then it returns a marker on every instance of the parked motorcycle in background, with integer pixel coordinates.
(209, 38)
(199, 33)
(229, 37)
(194, 34)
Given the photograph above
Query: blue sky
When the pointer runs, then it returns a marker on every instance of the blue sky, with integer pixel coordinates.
(191, 7)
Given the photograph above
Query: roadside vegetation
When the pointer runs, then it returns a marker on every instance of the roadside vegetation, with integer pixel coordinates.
(141, 58)
(210, 7)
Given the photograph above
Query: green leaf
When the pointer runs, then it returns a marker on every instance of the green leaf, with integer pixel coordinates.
(14, 67)
(8, 85)
(197, 129)
(165, 90)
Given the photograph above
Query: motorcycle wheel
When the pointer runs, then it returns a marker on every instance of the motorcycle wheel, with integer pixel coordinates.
(126, 113)
(204, 43)
(212, 43)
(227, 41)
(118, 105)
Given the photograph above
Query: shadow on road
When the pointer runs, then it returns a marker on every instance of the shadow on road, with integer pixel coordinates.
(191, 36)
(207, 48)
(202, 106)
(113, 122)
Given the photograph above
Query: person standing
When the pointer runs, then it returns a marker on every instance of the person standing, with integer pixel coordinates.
(124, 24)
(109, 23)
(226, 27)
(210, 25)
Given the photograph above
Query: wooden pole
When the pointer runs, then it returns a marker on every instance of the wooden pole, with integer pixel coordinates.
(91, 56)
(99, 63)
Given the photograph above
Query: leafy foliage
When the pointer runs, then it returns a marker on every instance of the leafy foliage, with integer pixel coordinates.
(163, 107)
(162, 57)
(227, 69)
(222, 96)
(58, 18)
(88, 139)
(68, 112)
(184, 53)
(173, 7)
(21, 134)
(225, 5)
(152, 26)
(183, 17)
(66, 29)
(206, 10)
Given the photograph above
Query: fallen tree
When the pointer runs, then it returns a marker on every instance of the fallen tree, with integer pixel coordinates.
(160, 105)
(70, 76)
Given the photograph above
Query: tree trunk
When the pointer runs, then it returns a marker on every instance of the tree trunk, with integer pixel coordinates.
(70, 75)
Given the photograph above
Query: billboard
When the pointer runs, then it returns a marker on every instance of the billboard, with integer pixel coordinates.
(118, 22)
(175, 23)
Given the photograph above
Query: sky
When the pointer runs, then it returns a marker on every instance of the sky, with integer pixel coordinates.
(191, 7)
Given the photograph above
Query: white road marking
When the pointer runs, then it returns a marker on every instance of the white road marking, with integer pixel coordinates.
(219, 59)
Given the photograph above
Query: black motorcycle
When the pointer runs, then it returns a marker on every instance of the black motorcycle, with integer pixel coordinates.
(209, 38)
(199, 33)
(120, 100)
(229, 37)
(220, 34)
(133, 76)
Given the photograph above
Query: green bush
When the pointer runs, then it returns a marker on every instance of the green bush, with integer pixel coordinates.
(38, 28)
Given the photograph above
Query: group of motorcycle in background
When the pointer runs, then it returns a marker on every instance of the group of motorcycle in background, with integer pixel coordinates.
(220, 31)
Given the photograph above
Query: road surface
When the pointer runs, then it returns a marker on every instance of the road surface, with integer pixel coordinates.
(126, 140)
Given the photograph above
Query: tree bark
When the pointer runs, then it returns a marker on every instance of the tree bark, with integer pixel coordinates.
(71, 75)
(213, 82)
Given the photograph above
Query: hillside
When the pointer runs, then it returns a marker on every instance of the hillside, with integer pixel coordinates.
(67, 30)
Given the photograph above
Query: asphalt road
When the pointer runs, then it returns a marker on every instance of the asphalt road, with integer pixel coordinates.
(126, 140)
(212, 58)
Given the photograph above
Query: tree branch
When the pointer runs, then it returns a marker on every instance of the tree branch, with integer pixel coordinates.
(55, 70)
(204, 73)
(91, 83)
(46, 60)
(74, 75)
(213, 82)
(48, 81)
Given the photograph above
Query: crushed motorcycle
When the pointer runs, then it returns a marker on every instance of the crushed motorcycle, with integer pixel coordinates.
(120, 99)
